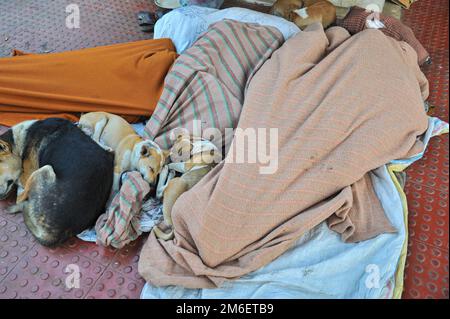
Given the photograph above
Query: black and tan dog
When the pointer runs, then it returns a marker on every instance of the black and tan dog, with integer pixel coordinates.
(66, 177)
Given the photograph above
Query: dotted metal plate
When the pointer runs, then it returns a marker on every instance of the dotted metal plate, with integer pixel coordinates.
(39, 26)
(426, 273)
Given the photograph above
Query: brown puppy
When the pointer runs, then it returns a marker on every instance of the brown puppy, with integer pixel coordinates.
(200, 157)
(305, 12)
(131, 151)
(322, 11)
(285, 8)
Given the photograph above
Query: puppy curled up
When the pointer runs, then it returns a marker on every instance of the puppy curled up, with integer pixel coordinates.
(193, 158)
(132, 152)
(305, 12)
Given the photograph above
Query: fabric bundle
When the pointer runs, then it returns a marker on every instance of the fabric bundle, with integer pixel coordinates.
(125, 79)
(312, 267)
(343, 106)
(355, 21)
(207, 83)
(186, 24)
(120, 224)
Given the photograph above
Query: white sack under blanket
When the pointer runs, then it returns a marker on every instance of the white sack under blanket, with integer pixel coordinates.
(186, 24)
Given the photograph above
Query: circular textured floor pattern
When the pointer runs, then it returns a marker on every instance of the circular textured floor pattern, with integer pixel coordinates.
(426, 273)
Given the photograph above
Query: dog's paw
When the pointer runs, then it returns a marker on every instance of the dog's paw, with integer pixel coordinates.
(107, 148)
(14, 209)
(86, 130)
(163, 235)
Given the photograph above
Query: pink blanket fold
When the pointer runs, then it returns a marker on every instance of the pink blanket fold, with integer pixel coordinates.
(343, 106)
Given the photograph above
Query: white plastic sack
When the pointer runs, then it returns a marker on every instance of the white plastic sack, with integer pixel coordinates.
(186, 24)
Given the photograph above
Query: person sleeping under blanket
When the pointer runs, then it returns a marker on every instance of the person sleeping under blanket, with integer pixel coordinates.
(125, 79)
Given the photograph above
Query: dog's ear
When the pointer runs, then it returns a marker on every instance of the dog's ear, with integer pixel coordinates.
(166, 154)
(145, 150)
(180, 134)
(4, 147)
(156, 153)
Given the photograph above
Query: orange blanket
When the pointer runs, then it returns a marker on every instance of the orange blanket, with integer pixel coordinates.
(125, 79)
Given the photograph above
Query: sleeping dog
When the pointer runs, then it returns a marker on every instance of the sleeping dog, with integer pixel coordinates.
(285, 8)
(66, 177)
(321, 11)
(131, 151)
(195, 157)
(305, 12)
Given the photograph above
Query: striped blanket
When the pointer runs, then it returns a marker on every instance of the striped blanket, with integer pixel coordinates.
(120, 224)
(207, 82)
(342, 106)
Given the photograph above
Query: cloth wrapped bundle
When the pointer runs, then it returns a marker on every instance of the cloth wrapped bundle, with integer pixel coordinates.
(120, 225)
(125, 79)
(355, 21)
(207, 83)
(185, 25)
(333, 99)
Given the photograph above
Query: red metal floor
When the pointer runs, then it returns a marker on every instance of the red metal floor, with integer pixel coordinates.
(428, 180)
(28, 270)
